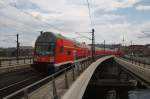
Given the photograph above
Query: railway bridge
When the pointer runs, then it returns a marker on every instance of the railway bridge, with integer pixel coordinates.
(112, 78)
(109, 77)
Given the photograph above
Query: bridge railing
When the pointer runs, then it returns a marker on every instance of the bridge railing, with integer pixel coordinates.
(78, 88)
(23, 60)
(14, 61)
(138, 61)
(76, 69)
(140, 72)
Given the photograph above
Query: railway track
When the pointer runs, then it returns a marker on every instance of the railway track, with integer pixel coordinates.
(31, 77)
(11, 83)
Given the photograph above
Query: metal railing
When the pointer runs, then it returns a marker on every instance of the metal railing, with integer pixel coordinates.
(76, 69)
(14, 61)
(138, 61)
(137, 71)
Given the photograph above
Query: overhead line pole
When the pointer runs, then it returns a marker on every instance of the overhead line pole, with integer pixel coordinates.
(17, 55)
(88, 4)
(93, 45)
(93, 37)
(104, 46)
(17, 44)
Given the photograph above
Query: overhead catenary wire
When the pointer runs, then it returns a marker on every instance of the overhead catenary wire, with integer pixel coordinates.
(56, 28)
(90, 15)
(26, 13)
(83, 36)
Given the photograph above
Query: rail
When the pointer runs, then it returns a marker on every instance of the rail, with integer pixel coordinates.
(74, 68)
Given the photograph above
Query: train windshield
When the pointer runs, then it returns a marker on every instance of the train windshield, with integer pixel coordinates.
(44, 49)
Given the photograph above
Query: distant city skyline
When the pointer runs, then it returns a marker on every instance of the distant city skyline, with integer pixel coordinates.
(113, 20)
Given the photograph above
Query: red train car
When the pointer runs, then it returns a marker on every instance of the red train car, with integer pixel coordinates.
(55, 51)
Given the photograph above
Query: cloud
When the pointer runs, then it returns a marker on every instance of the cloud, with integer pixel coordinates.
(66, 17)
(110, 5)
(114, 32)
(17, 22)
(28, 22)
(143, 7)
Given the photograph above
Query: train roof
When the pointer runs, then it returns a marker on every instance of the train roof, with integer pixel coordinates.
(46, 35)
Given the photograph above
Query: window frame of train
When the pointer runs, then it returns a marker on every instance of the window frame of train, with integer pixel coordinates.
(61, 49)
(69, 51)
(45, 46)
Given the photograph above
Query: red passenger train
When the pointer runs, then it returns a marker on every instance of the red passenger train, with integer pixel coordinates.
(53, 51)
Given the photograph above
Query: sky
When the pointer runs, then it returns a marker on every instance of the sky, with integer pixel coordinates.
(112, 20)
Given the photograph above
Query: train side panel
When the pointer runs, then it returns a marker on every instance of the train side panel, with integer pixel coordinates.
(64, 52)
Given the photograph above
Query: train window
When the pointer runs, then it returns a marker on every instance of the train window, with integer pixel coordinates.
(69, 51)
(62, 49)
(51, 47)
(44, 48)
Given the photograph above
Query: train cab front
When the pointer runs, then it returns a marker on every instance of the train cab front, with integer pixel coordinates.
(44, 59)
